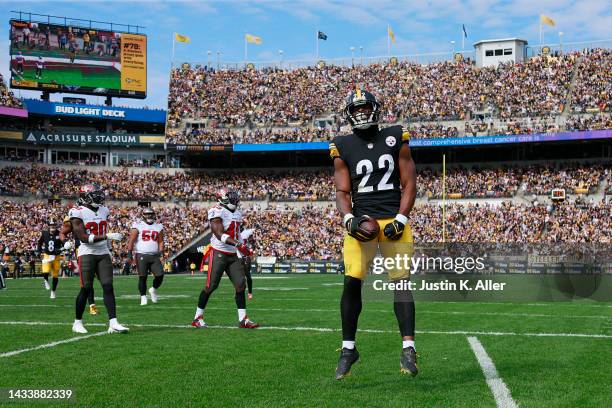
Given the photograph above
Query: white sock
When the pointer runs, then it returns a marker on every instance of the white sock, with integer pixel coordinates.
(143, 297)
(241, 314)
(78, 321)
(113, 321)
(348, 344)
(408, 343)
(199, 312)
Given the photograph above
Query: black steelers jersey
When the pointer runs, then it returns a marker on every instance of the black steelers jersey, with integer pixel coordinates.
(50, 244)
(374, 171)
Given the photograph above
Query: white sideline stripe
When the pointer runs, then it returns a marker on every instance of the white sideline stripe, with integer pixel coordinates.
(326, 329)
(335, 310)
(498, 387)
(49, 345)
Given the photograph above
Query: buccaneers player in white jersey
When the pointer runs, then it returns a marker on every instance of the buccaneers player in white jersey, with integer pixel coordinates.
(147, 241)
(225, 220)
(90, 226)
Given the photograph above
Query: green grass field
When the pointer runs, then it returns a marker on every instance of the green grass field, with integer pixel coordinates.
(79, 76)
(291, 360)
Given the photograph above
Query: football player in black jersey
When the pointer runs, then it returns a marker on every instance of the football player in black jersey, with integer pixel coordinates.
(375, 177)
(50, 246)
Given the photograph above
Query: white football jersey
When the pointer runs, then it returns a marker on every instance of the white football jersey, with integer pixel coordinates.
(147, 237)
(96, 222)
(231, 227)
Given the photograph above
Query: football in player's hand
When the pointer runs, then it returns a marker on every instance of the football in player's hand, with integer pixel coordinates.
(370, 226)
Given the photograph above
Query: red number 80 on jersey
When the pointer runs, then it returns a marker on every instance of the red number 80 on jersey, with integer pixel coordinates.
(95, 228)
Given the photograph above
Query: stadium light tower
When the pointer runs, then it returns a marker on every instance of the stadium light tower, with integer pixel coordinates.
(218, 55)
(361, 55)
(209, 52)
(453, 44)
(352, 56)
(560, 42)
(280, 56)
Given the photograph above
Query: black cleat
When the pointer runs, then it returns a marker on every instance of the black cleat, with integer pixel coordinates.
(408, 362)
(348, 357)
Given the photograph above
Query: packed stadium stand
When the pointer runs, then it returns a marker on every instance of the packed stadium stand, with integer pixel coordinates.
(444, 99)
(6, 96)
(491, 192)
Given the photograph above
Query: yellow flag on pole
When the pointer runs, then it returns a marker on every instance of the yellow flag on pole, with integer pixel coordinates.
(391, 35)
(547, 20)
(181, 38)
(253, 39)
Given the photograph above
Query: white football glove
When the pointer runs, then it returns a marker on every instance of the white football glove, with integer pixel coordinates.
(114, 236)
(68, 246)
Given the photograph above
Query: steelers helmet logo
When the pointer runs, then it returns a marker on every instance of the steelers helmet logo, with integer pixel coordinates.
(390, 140)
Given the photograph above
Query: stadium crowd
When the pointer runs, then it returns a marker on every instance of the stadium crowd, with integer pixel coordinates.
(235, 104)
(315, 232)
(593, 82)
(542, 179)
(475, 182)
(21, 225)
(39, 181)
(243, 135)
(6, 96)
(434, 91)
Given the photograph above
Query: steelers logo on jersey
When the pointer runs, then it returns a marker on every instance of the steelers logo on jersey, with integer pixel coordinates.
(390, 140)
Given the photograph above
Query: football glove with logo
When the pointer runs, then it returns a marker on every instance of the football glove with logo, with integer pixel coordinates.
(395, 228)
(352, 225)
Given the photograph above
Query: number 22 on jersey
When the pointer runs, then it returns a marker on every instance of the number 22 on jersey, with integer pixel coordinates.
(365, 167)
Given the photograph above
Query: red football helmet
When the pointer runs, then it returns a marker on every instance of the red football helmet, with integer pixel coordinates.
(228, 199)
(91, 194)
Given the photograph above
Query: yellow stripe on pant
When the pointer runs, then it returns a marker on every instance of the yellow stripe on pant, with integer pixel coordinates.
(358, 255)
(51, 265)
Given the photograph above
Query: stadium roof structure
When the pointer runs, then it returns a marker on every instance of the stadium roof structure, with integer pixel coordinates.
(499, 40)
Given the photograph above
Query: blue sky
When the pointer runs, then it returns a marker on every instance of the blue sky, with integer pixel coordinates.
(420, 26)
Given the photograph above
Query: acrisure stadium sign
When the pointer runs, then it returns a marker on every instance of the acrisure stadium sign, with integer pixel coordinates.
(92, 138)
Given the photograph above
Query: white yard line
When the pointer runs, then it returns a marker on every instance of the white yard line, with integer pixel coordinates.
(50, 345)
(335, 310)
(323, 329)
(498, 387)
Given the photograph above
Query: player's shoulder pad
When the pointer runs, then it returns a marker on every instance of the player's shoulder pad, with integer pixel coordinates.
(75, 212)
(405, 134)
(135, 225)
(215, 212)
(334, 151)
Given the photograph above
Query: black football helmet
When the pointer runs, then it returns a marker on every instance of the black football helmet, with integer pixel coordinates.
(228, 199)
(91, 195)
(52, 225)
(360, 120)
(149, 215)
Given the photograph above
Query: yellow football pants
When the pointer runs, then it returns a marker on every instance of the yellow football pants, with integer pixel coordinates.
(51, 265)
(358, 255)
